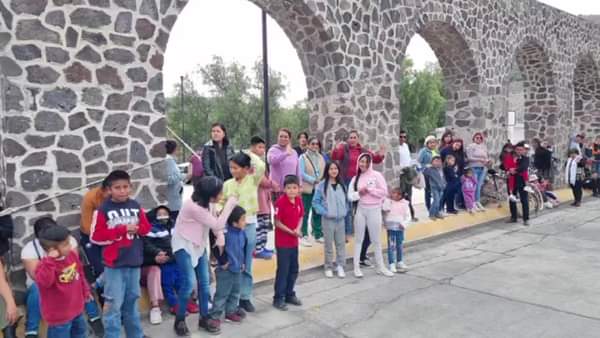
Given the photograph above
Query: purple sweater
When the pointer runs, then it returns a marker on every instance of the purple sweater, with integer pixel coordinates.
(283, 164)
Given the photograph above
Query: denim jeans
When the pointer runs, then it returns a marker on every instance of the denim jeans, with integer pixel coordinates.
(170, 279)
(434, 208)
(121, 294)
(287, 272)
(395, 240)
(479, 173)
(76, 328)
(190, 275)
(247, 283)
(348, 226)
(34, 315)
(227, 295)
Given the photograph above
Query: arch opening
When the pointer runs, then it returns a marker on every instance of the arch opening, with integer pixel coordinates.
(586, 96)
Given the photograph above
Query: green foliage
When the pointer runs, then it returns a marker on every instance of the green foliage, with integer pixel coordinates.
(234, 99)
(422, 101)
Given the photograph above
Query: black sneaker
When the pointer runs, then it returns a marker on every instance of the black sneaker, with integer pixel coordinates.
(247, 306)
(31, 335)
(526, 223)
(181, 329)
(293, 300)
(512, 220)
(279, 304)
(366, 263)
(212, 326)
(97, 327)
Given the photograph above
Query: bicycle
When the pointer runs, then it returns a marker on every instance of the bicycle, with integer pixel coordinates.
(492, 193)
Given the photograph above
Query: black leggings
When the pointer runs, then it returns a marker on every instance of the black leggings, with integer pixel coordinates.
(365, 247)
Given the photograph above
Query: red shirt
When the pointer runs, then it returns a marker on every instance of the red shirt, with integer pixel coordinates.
(290, 214)
(350, 163)
(63, 288)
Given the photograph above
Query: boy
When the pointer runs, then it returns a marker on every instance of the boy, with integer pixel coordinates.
(118, 225)
(574, 175)
(264, 225)
(62, 285)
(229, 269)
(289, 212)
(437, 184)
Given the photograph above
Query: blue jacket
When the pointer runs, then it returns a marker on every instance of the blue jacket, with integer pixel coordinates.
(235, 249)
(333, 206)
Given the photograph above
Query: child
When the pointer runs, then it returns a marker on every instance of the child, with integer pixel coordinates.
(265, 188)
(289, 212)
(229, 269)
(574, 175)
(119, 224)
(508, 160)
(452, 184)
(437, 184)
(397, 214)
(331, 203)
(62, 285)
(469, 187)
(244, 186)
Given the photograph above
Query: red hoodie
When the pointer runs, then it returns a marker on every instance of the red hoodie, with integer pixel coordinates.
(63, 288)
(349, 164)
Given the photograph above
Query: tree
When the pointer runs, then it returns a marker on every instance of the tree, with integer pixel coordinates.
(422, 101)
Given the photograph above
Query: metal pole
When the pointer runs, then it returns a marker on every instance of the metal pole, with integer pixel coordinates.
(266, 80)
(182, 119)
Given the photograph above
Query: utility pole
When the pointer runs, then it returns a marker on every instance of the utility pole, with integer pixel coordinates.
(182, 120)
(266, 80)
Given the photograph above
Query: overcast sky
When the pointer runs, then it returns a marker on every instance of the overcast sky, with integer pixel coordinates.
(212, 27)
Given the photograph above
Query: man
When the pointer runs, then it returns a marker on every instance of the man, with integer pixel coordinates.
(174, 180)
(522, 176)
(406, 177)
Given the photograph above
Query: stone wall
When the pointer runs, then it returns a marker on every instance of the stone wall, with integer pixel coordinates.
(84, 90)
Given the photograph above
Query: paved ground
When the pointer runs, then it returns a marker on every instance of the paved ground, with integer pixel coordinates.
(497, 280)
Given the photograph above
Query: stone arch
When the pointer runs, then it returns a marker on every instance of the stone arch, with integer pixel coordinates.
(586, 95)
(541, 113)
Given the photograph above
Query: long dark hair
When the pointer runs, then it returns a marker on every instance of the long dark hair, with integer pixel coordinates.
(225, 141)
(206, 188)
(338, 179)
(359, 172)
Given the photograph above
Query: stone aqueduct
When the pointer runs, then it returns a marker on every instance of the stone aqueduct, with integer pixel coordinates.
(82, 89)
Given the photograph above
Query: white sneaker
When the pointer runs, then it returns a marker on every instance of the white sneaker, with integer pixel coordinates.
(385, 272)
(155, 316)
(321, 240)
(480, 206)
(306, 242)
(328, 273)
(393, 268)
(358, 273)
(528, 189)
(401, 267)
(340, 272)
(513, 198)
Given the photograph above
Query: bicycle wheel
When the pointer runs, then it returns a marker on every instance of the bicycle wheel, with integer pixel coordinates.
(534, 205)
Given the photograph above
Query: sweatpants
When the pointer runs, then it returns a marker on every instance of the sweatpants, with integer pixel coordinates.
(263, 227)
(334, 233)
(368, 219)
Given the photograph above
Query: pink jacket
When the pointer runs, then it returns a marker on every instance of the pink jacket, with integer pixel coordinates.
(376, 186)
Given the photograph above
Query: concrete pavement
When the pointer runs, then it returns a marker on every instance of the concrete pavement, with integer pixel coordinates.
(496, 280)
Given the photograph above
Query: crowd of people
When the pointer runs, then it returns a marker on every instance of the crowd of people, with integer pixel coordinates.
(303, 193)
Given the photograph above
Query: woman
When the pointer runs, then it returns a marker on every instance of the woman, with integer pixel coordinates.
(542, 159)
(312, 166)
(217, 152)
(190, 237)
(283, 159)
(424, 159)
(478, 160)
(369, 189)
(302, 143)
(447, 140)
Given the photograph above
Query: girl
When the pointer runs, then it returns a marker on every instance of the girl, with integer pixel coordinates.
(244, 186)
(447, 138)
(312, 167)
(509, 162)
(397, 214)
(283, 160)
(469, 187)
(369, 189)
(452, 184)
(190, 236)
(331, 204)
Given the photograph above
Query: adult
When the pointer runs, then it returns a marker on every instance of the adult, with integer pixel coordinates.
(196, 168)
(424, 159)
(521, 177)
(217, 152)
(447, 140)
(190, 239)
(347, 154)
(369, 189)
(577, 143)
(283, 160)
(542, 159)
(406, 176)
(174, 180)
(92, 200)
(9, 313)
(479, 160)
(302, 143)
(312, 167)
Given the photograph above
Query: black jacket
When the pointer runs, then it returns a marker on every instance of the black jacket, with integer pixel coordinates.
(157, 240)
(542, 159)
(212, 165)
